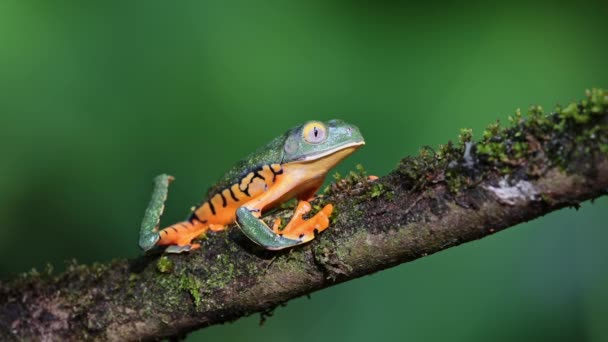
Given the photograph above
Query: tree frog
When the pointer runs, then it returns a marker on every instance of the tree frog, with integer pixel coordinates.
(293, 165)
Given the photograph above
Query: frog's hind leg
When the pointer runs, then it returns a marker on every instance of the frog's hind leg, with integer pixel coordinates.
(180, 235)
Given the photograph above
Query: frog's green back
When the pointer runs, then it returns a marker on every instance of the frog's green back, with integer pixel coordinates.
(271, 153)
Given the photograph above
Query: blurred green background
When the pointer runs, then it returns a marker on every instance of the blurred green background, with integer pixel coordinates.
(98, 97)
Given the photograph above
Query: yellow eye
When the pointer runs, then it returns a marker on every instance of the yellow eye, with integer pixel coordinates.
(314, 132)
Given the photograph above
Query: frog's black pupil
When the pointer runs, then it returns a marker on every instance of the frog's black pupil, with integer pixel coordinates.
(316, 132)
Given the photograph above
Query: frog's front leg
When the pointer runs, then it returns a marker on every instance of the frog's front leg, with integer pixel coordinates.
(304, 230)
(298, 230)
(257, 231)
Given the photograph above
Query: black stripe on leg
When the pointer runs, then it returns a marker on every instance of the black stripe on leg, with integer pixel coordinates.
(211, 207)
(224, 202)
(275, 173)
(246, 190)
(194, 217)
(256, 174)
(232, 194)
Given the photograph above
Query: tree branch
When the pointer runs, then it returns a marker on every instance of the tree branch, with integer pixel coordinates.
(431, 202)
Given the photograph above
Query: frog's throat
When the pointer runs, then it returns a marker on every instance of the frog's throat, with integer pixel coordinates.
(317, 167)
(353, 146)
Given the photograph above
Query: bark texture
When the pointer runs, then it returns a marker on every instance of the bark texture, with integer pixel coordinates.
(440, 199)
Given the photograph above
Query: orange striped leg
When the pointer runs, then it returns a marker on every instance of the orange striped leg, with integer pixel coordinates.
(180, 235)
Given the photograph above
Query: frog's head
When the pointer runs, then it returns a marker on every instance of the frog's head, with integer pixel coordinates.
(315, 140)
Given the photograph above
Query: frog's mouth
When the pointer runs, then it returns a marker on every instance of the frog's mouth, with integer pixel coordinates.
(353, 146)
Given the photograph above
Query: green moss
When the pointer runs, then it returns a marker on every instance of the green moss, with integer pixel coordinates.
(174, 282)
(378, 189)
(520, 148)
(584, 131)
(164, 264)
(33, 273)
(535, 112)
(455, 181)
(466, 135)
(417, 171)
(566, 134)
(534, 142)
(350, 181)
(517, 118)
(493, 151)
(222, 272)
(171, 292)
(572, 112)
(133, 278)
(492, 130)
(193, 286)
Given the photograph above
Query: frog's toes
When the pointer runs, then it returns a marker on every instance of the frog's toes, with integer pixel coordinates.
(276, 225)
(304, 230)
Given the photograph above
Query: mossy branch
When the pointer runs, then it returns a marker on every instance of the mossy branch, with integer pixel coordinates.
(431, 202)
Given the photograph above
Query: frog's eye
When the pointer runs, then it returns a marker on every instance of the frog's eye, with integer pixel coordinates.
(315, 132)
